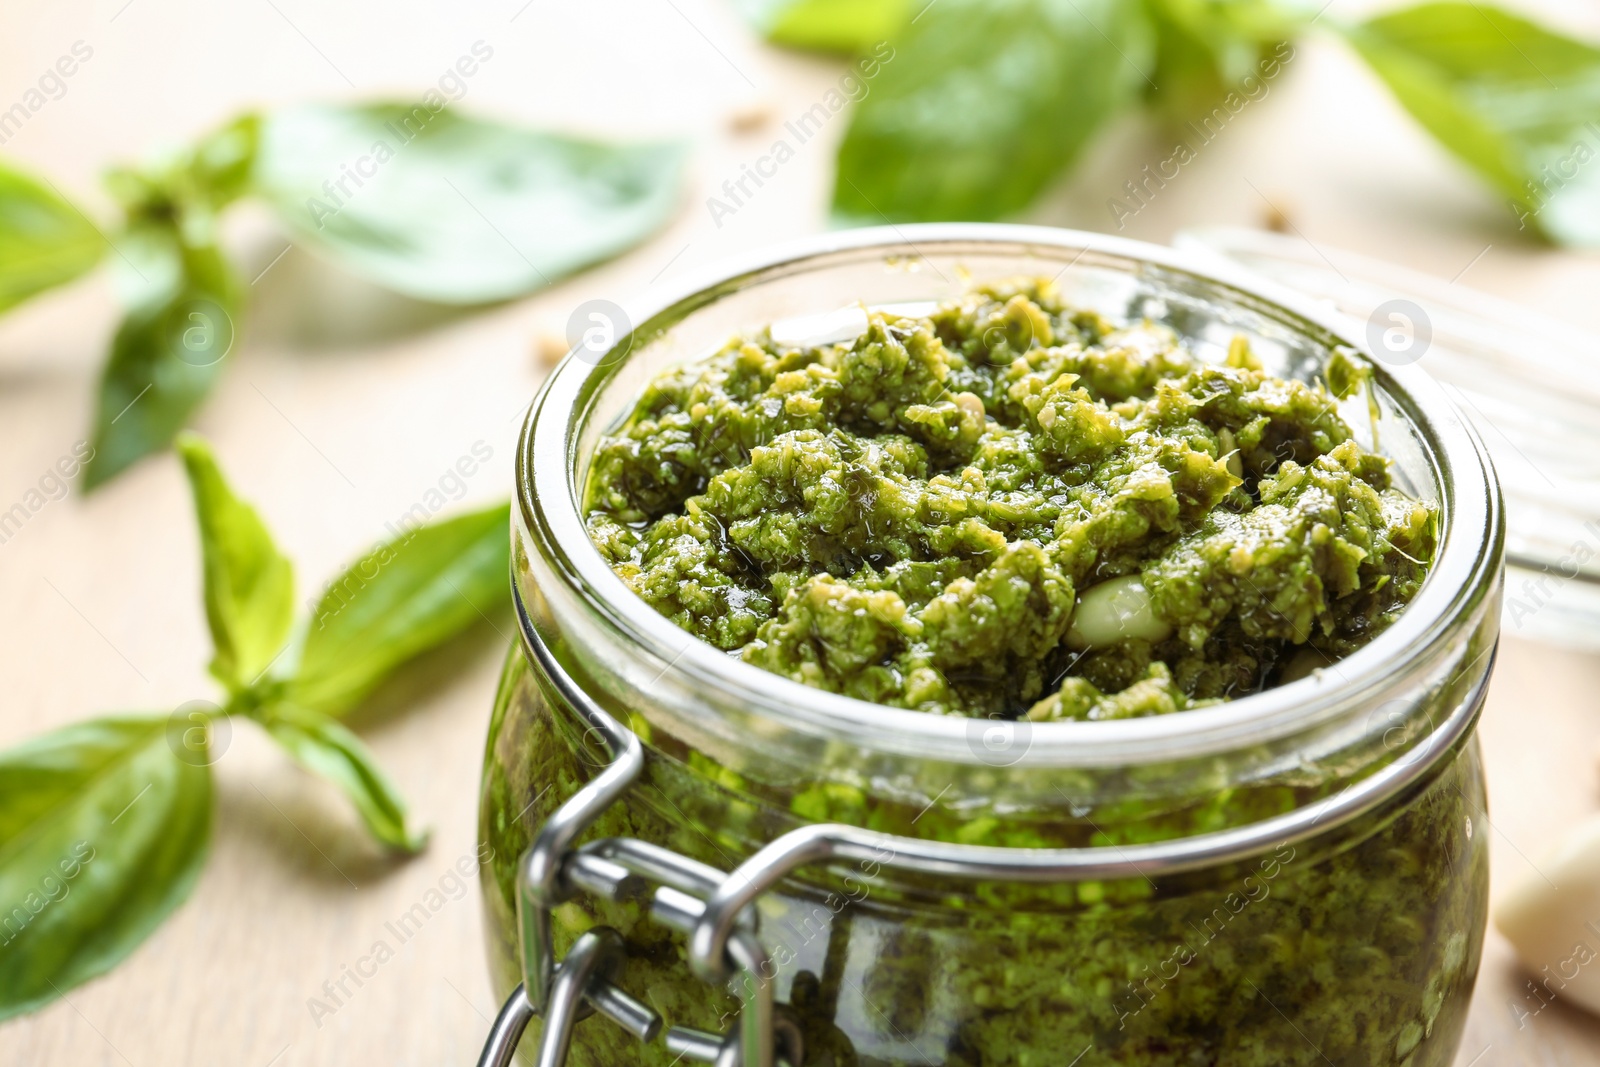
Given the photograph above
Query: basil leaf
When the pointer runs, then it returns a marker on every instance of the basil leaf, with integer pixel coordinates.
(330, 751)
(850, 26)
(44, 240)
(403, 598)
(1517, 102)
(190, 186)
(983, 103)
(169, 350)
(249, 584)
(1205, 49)
(220, 165)
(458, 210)
(103, 832)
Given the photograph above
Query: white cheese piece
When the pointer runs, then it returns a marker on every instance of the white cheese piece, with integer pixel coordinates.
(1552, 919)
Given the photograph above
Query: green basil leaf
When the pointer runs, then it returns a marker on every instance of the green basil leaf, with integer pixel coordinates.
(220, 165)
(331, 751)
(1205, 49)
(453, 209)
(1517, 102)
(249, 584)
(983, 103)
(169, 350)
(44, 240)
(401, 599)
(849, 26)
(103, 832)
(190, 186)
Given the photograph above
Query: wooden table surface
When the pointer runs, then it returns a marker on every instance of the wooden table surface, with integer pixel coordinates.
(345, 405)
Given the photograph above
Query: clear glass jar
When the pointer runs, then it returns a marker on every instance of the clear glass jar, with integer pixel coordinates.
(1355, 941)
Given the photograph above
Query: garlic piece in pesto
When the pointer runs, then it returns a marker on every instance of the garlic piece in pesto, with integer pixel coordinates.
(1114, 611)
(1230, 453)
(1550, 918)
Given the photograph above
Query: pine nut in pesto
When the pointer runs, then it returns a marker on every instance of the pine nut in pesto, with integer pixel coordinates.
(1140, 516)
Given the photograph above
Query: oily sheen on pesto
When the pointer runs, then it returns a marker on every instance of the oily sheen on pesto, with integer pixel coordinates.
(1008, 507)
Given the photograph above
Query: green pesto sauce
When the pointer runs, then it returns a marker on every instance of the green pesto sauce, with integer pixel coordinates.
(919, 517)
(1358, 948)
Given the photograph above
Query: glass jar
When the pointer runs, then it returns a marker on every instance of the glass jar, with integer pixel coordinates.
(1298, 876)
(1529, 383)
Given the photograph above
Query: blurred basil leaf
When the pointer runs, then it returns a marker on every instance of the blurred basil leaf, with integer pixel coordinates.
(188, 186)
(1205, 49)
(169, 350)
(218, 168)
(1517, 102)
(103, 831)
(330, 751)
(44, 240)
(458, 210)
(401, 599)
(984, 103)
(249, 584)
(849, 26)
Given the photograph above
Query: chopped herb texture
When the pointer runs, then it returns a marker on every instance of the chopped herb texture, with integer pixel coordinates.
(1008, 507)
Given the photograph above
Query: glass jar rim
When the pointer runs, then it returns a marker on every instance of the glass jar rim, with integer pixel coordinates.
(550, 504)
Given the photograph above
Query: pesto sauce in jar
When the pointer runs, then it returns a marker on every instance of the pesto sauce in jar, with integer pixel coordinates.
(1008, 508)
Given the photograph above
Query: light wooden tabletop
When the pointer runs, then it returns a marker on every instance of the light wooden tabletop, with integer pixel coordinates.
(344, 406)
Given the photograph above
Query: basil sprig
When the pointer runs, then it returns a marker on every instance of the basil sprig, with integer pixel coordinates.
(104, 825)
(987, 104)
(415, 197)
(402, 599)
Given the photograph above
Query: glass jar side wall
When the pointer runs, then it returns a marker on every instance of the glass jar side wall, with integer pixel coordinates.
(1358, 949)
